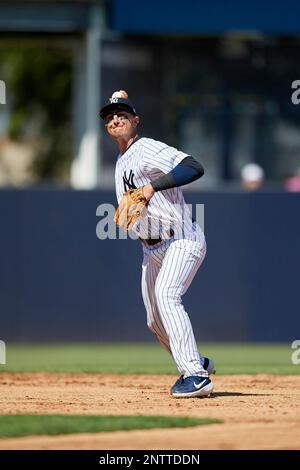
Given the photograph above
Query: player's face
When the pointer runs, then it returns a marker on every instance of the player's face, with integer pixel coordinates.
(121, 124)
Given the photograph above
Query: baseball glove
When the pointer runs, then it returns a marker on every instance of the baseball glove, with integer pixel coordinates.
(131, 206)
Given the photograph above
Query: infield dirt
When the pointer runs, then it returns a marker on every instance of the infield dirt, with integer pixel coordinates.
(259, 411)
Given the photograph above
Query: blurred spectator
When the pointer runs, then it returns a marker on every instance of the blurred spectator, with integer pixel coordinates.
(252, 177)
(16, 160)
(292, 184)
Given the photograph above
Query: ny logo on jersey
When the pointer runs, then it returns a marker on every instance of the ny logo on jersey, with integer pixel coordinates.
(128, 181)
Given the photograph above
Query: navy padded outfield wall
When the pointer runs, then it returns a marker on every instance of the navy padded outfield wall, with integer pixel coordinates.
(59, 282)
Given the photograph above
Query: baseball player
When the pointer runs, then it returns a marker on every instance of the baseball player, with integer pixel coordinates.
(173, 244)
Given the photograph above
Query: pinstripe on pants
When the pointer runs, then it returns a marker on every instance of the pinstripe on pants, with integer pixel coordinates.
(167, 272)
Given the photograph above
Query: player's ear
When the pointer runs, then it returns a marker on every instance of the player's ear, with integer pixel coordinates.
(136, 120)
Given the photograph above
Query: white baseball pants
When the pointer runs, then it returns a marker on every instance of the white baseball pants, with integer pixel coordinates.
(167, 272)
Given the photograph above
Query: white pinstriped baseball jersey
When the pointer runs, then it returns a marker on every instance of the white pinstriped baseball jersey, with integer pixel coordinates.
(147, 159)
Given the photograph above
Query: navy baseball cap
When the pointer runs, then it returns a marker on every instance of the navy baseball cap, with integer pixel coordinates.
(122, 104)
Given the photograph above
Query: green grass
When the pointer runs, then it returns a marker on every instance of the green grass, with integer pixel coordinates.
(24, 425)
(149, 358)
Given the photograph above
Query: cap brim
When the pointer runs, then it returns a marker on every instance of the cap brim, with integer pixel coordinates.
(110, 107)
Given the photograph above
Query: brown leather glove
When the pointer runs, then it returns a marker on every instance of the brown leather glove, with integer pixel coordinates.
(131, 206)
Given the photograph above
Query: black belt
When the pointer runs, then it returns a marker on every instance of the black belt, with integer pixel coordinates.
(155, 241)
(151, 241)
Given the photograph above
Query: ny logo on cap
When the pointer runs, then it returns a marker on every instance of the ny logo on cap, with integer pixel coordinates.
(114, 100)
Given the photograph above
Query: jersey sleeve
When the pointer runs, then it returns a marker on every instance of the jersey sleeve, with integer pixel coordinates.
(160, 157)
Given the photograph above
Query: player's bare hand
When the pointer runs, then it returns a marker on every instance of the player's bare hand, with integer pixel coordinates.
(148, 191)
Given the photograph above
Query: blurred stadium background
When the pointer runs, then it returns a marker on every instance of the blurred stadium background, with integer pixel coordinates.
(213, 78)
